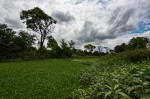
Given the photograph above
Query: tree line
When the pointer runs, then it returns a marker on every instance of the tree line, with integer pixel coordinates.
(22, 45)
(133, 44)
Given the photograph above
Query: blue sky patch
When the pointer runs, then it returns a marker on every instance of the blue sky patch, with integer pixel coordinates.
(142, 27)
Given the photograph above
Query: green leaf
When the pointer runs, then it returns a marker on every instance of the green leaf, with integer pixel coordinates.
(108, 87)
(133, 88)
(116, 80)
(117, 91)
(124, 95)
(145, 83)
(147, 90)
(116, 86)
(107, 94)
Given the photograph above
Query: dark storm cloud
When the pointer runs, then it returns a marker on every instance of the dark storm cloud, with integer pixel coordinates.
(63, 17)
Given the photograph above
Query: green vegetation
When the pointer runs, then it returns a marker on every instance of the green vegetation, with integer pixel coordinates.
(113, 78)
(135, 56)
(134, 43)
(38, 21)
(51, 79)
(122, 73)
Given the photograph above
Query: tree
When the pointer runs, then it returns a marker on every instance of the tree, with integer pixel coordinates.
(138, 42)
(27, 38)
(107, 49)
(71, 44)
(10, 44)
(52, 43)
(18, 45)
(89, 47)
(66, 51)
(38, 21)
(6, 39)
(100, 48)
(120, 48)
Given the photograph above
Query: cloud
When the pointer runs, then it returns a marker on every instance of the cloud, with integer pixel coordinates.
(63, 17)
(14, 23)
(103, 22)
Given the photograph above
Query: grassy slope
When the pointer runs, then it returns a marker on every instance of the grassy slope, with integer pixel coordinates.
(38, 79)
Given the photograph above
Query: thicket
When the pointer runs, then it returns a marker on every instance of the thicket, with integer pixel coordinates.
(135, 56)
(113, 78)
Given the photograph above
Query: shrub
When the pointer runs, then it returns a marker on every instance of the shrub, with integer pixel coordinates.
(114, 81)
(135, 55)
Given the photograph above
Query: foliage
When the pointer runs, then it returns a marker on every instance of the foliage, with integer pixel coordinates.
(38, 21)
(89, 47)
(134, 43)
(138, 42)
(48, 79)
(114, 79)
(52, 43)
(27, 38)
(66, 50)
(120, 48)
(12, 46)
(71, 44)
(135, 56)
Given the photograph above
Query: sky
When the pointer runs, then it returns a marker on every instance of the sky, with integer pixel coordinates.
(99, 22)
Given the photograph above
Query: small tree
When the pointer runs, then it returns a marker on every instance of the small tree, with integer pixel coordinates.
(89, 47)
(71, 44)
(52, 43)
(138, 42)
(66, 51)
(120, 48)
(38, 21)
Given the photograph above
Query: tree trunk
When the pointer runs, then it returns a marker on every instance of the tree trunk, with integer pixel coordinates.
(41, 43)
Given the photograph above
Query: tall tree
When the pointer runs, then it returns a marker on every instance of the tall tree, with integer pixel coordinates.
(89, 47)
(38, 21)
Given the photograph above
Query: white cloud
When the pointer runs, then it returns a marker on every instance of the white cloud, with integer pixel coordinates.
(105, 22)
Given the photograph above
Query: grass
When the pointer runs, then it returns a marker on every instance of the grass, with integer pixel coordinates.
(51, 79)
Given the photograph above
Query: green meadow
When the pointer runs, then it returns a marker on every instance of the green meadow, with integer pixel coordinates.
(51, 79)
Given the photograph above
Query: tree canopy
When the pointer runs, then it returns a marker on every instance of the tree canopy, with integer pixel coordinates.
(89, 47)
(38, 21)
(138, 42)
(134, 43)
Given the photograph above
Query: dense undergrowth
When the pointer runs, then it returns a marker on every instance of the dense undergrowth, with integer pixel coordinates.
(135, 56)
(114, 78)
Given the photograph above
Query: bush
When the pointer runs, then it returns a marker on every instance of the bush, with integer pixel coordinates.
(135, 55)
(115, 80)
(88, 76)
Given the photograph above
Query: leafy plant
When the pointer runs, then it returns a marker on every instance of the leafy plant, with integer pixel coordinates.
(115, 79)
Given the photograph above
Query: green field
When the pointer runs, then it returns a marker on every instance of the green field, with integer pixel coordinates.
(53, 79)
